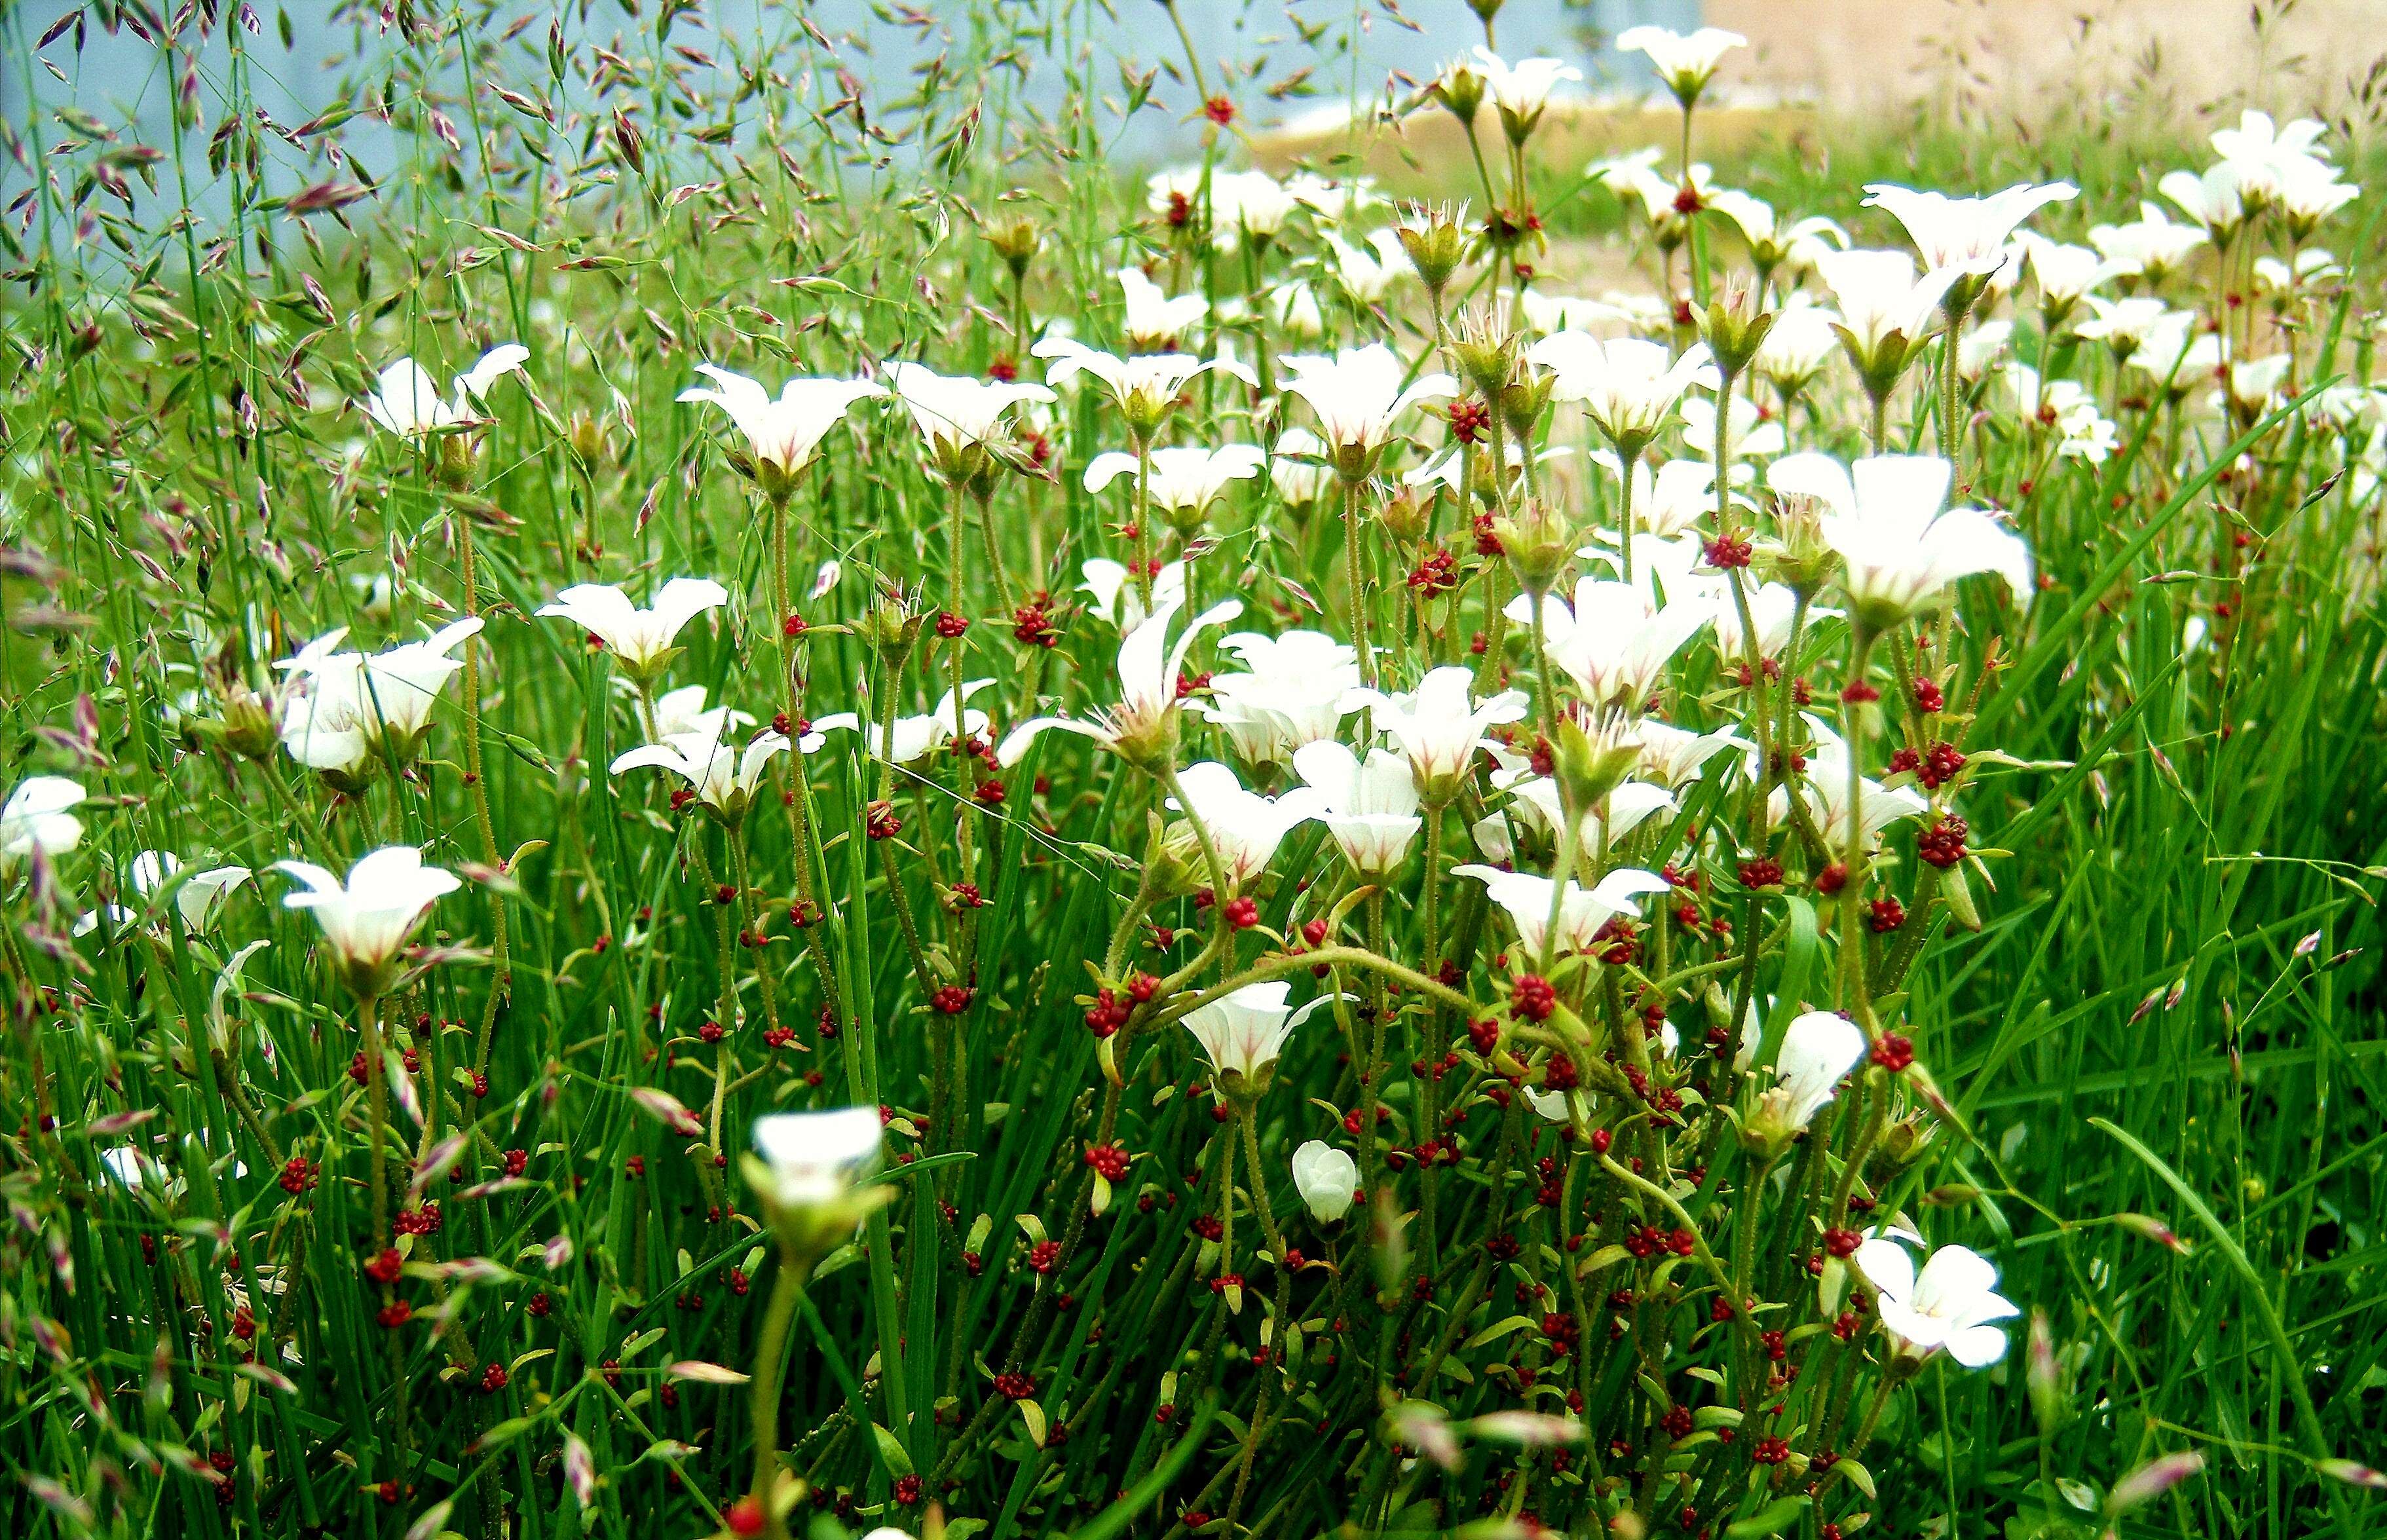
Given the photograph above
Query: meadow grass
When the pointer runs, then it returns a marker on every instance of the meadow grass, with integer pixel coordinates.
(467, 1240)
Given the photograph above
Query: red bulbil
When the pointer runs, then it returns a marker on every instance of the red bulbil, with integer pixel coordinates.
(1532, 998)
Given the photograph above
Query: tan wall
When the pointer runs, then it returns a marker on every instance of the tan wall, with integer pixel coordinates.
(1859, 53)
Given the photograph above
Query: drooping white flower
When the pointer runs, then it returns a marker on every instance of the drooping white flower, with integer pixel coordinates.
(37, 817)
(1525, 897)
(1243, 1032)
(782, 434)
(723, 779)
(1142, 727)
(1628, 386)
(913, 737)
(643, 640)
(1983, 349)
(1439, 725)
(1774, 608)
(1155, 319)
(368, 919)
(197, 901)
(1369, 808)
(1967, 234)
(406, 401)
(1951, 1306)
(1358, 395)
(1245, 827)
(1112, 589)
(1327, 1178)
(1614, 640)
(956, 415)
(1898, 548)
(1684, 63)
(1294, 689)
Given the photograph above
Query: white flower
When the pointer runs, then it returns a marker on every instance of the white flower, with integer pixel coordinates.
(1801, 340)
(1113, 590)
(1754, 436)
(2212, 200)
(1899, 549)
(1817, 1049)
(1155, 320)
(956, 413)
(1526, 898)
(683, 711)
(354, 706)
(2065, 274)
(368, 919)
(1183, 481)
(1879, 295)
(2081, 431)
(1628, 386)
(1550, 313)
(1293, 305)
(1245, 827)
(1145, 385)
(1969, 235)
(1302, 469)
(782, 436)
(1243, 1031)
(1370, 808)
(723, 778)
(1675, 756)
(1951, 1306)
(1827, 794)
(2309, 192)
(2150, 245)
(2261, 154)
(35, 819)
(1438, 727)
(1983, 349)
(1327, 1178)
(1686, 64)
(1357, 394)
(1142, 727)
(1369, 272)
(1770, 243)
(913, 737)
(2252, 385)
(405, 400)
(1294, 689)
(642, 640)
(1773, 606)
(1614, 640)
(814, 1158)
(1253, 202)
(2124, 325)
(1669, 497)
(197, 901)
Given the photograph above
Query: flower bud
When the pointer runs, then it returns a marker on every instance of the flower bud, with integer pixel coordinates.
(1795, 555)
(891, 626)
(1523, 400)
(1485, 347)
(1591, 755)
(1015, 240)
(1460, 89)
(1431, 235)
(1327, 1178)
(1537, 541)
(246, 726)
(1734, 327)
(1404, 517)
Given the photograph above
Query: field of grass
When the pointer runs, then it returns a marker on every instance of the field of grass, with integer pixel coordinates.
(852, 1109)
